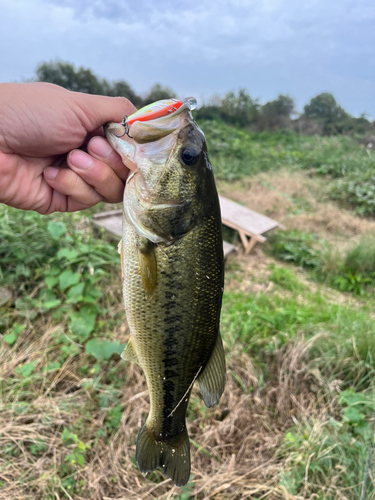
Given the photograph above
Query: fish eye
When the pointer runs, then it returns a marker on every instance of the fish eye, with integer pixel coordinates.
(189, 156)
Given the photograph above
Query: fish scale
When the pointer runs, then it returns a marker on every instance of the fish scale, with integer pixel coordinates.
(193, 329)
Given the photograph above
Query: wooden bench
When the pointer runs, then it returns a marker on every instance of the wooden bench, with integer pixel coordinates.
(249, 224)
(112, 222)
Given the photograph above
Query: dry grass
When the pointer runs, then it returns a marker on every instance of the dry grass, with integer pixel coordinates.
(299, 202)
(238, 439)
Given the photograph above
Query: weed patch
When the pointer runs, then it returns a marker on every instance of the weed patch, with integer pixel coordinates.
(351, 273)
(323, 458)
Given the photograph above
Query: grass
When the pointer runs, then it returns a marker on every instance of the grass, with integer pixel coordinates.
(361, 258)
(236, 153)
(295, 421)
(353, 271)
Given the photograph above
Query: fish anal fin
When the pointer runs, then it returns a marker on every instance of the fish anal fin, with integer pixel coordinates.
(172, 458)
(129, 354)
(148, 267)
(211, 381)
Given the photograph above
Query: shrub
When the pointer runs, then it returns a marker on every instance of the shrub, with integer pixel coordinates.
(362, 257)
(356, 190)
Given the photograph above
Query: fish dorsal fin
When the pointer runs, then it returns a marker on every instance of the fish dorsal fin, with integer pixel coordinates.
(129, 354)
(211, 381)
(148, 267)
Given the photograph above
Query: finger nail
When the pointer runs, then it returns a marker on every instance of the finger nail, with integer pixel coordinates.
(81, 160)
(100, 147)
(51, 172)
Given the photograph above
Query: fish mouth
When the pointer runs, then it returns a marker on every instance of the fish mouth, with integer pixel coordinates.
(121, 143)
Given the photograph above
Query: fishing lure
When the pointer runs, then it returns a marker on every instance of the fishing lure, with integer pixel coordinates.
(156, 110)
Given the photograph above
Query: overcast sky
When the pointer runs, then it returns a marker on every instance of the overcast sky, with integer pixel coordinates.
(202, 47)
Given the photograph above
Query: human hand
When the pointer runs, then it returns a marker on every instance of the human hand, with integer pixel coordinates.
(41, 169)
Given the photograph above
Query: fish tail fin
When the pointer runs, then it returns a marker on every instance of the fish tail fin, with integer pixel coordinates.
(174, 460)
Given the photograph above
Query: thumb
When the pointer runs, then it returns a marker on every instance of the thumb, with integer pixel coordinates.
(99, 110)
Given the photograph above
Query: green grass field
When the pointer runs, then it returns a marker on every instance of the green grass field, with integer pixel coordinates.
(297, 417)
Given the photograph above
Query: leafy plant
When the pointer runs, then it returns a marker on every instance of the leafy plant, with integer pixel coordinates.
(14, 332)
(26, 369)
(356, 190)
(63, 264)
(113, 418)
(103, 349)
(297, 247)
(77, 456)
(347, 281)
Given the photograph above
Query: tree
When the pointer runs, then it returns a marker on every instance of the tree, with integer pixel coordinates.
(325, 109)
(239, 108)
(276, 114)
(121, 88)
(64, 74)
(157, 93)
(84, 80)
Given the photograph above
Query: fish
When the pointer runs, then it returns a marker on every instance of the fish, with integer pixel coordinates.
(173, 274)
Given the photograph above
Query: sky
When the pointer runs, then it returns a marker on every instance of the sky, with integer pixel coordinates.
(201, 48)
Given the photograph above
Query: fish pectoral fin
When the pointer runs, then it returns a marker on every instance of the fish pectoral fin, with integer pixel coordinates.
(129, 354)
(148, 267)
(211, 381)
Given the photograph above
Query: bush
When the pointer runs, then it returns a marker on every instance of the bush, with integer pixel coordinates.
(358, 191)
(362, 257)
(52, 266)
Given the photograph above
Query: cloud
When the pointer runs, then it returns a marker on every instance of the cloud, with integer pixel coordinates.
(202, 47)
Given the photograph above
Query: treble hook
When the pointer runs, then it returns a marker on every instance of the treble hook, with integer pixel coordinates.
(125, 124)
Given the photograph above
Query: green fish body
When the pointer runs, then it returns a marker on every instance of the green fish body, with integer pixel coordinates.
(172, 257)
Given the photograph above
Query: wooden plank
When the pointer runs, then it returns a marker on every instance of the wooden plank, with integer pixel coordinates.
(258, 237)
(112, 222)
(244, 218)
(228, 249)
(102, 215)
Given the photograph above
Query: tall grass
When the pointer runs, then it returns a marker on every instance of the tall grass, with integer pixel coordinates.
(361, 258)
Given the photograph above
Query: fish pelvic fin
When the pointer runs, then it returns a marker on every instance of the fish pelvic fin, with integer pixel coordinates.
(211, 381)
(129, 354)
(173, 459)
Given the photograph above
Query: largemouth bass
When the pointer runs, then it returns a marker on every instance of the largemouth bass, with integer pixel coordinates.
(173, 274)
